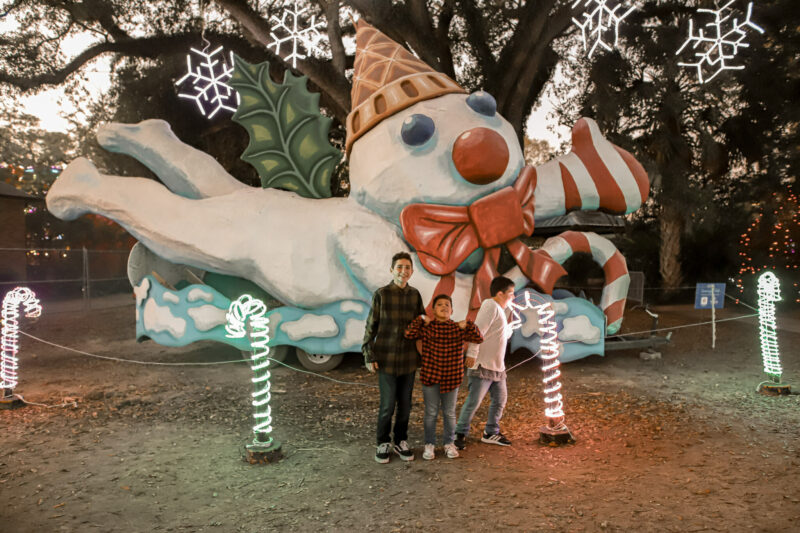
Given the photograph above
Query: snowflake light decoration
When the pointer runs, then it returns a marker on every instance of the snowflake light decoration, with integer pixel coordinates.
(597, 21)
(210, 82)
(308, 37)
(718, 47)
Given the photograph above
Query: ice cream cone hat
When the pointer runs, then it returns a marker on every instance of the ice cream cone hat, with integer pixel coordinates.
(387, 78)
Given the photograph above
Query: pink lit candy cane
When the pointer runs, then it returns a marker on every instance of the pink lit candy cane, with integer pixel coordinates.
(10, 341)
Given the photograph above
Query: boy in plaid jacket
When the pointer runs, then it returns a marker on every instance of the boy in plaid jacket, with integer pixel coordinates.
(442, 369)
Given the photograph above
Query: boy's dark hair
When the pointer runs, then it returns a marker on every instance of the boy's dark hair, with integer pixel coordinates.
(441, 297)
(500, 284)
(401, 255)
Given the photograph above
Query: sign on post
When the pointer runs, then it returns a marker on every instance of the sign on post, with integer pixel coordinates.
(706, 293)
(710, 296)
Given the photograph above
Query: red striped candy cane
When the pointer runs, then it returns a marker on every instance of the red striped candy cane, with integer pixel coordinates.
(605, 254)
(595, 176)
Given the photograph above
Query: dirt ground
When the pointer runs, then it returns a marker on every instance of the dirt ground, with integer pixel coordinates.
(677, 444)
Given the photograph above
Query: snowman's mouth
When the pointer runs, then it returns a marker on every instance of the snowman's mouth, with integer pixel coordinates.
(480, 155)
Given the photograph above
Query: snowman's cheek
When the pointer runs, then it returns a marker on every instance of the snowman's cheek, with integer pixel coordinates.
(480, 155)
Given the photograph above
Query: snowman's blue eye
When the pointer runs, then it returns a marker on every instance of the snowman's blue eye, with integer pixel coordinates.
(417, 129)
(483, 103)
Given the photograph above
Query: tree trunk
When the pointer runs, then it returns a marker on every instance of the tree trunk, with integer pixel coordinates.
(671, 225)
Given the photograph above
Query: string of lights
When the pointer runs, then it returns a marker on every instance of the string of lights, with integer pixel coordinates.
(777, 251)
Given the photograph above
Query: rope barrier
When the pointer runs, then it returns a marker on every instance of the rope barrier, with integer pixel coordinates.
(302, 371)
(159, 363)
(681, 326)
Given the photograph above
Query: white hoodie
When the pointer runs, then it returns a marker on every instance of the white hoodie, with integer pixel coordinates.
(492, 322)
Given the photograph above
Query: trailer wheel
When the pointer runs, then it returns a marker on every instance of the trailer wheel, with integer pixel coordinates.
(318, 362)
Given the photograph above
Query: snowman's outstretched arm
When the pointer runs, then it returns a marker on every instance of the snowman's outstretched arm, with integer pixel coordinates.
(595, 175)
(185, 170)
(177, 229)
(252, 233)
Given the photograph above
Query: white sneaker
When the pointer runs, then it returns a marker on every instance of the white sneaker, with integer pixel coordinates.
(428, 453)
(451, 451)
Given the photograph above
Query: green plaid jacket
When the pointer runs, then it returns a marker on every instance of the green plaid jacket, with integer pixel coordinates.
(392, 311)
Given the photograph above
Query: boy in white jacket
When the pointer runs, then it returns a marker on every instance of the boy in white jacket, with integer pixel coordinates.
(486, 364)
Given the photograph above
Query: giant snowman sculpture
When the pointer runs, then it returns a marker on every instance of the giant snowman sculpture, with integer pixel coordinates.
(433, 171)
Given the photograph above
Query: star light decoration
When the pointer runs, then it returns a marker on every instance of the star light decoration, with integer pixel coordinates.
(209, 77)
(309, 37)
(597, 21)
(721, 45)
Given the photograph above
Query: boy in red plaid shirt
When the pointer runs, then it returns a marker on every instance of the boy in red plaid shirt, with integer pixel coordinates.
(442, 369)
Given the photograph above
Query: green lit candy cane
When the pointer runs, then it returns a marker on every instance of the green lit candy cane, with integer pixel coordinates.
(244, 312)
(768, 294)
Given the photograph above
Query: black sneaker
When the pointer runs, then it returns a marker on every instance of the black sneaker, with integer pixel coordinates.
(497, 438)
(382, 453)
(404, 451)
(461, 441)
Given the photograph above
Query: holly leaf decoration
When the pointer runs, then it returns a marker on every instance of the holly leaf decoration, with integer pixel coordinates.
(289, 144)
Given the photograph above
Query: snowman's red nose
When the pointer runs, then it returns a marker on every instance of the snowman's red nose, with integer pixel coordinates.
(480, 155)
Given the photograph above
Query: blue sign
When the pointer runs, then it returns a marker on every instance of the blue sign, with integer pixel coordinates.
(702, 295)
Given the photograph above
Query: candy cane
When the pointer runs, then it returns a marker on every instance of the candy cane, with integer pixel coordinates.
(10, 340)
(595, 175)
(768, 293)
(550, 351)
(605, 254)
(250, 311)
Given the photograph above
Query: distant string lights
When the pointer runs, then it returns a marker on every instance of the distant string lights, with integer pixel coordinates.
(781, 251)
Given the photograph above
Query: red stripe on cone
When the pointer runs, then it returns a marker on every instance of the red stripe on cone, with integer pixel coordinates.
(572, 198)
(636, 168)
(611, 198)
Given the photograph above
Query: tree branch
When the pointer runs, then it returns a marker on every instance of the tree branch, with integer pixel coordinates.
(149, 47)
(476, 33)
(338, 56)
(333, 84)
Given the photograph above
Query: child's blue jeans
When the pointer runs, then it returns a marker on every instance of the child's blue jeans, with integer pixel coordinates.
(434, 400)
(477, 390)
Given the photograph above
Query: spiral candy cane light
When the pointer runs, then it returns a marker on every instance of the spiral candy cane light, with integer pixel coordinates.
(550, 351)
(554, 407)
(248, 310)
(10, 332)
(768, 294)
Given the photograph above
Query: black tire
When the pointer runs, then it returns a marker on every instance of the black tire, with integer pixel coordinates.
(281, 352)
(318, 362)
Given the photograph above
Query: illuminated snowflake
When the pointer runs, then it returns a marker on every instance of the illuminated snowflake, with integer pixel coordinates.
(720, 46)
(597, 21)
(308, 37)
(210, 82)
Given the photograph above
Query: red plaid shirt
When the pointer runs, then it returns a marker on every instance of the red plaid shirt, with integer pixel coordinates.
(442, 350)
